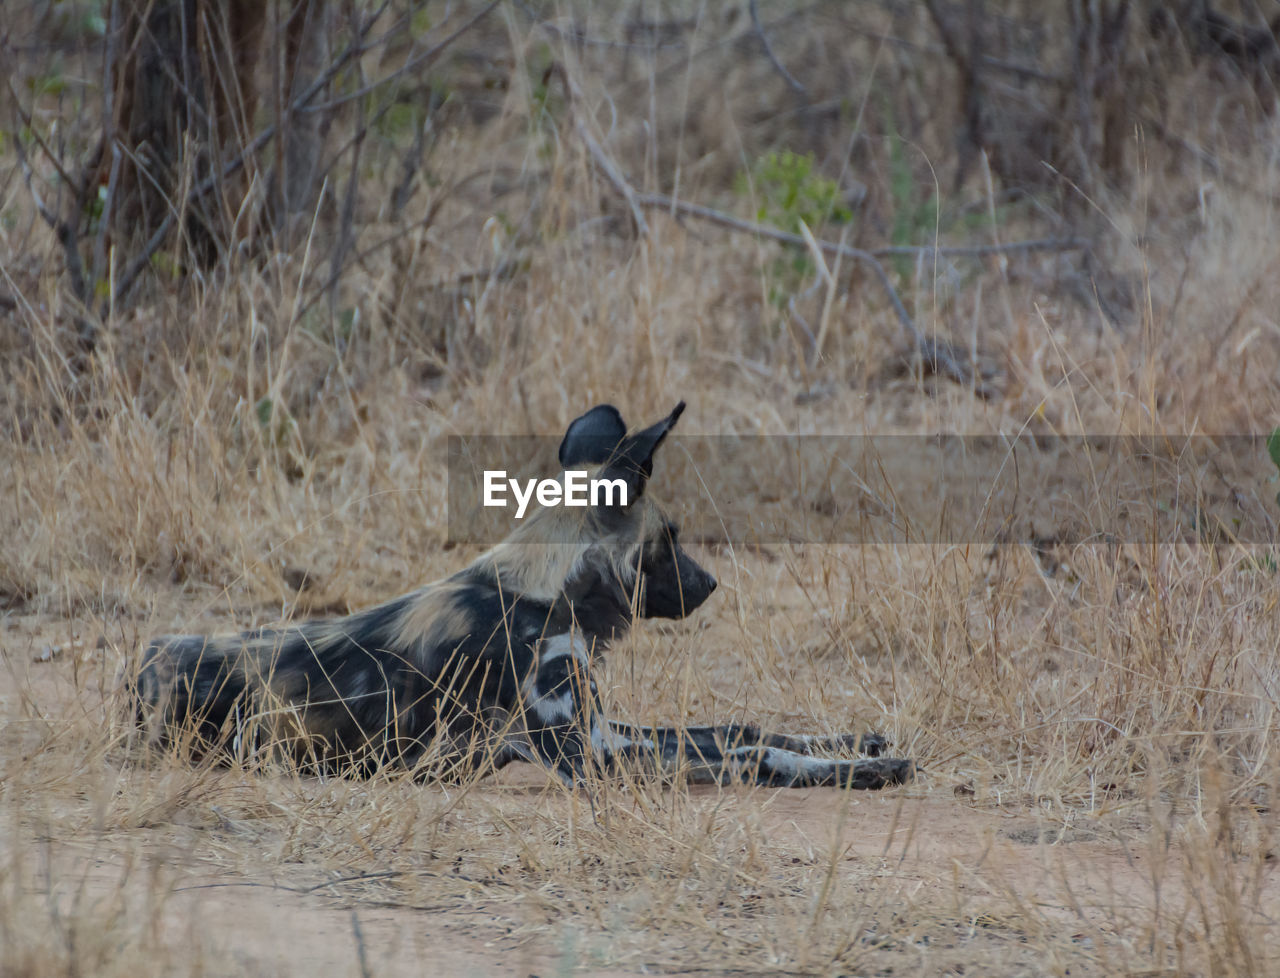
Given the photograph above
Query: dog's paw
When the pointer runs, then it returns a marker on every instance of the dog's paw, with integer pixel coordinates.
(872, 744)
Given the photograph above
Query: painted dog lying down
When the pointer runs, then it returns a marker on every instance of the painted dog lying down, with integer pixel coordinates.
(492, 664)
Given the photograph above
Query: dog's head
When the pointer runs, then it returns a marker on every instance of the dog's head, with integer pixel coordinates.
(634, 543)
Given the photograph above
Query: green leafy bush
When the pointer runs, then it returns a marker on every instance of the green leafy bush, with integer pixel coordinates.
(790, 192)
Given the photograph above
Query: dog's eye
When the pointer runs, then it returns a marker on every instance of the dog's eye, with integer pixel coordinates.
(673, 532)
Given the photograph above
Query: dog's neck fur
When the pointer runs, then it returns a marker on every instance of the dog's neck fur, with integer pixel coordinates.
(595, 601)
(588, 597)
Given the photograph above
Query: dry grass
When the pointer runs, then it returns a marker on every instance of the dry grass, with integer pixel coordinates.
(1098, 728)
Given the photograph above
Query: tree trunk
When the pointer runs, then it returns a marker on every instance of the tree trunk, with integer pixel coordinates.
(184, 107)
(296, 180)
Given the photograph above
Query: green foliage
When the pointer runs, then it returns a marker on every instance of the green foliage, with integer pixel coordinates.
(401, 118)
(51, 83)
(791, 192)
(328, 329)
(166, 264)
(94, 206)
(547, 102)
(77, 20)
(279, 433)
(347, 320)
(267, 411)
(420, 23)
(263, 409)
(914, 217)
(919, 218)
(1265, 564)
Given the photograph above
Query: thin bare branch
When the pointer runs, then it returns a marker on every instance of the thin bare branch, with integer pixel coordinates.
(982, 251)
(604, 163)
(62, 230)
(417, 61)
(52, 157)
(398, 235)
(778, 66)
(713, 216)
(362, 955)
(412, 161)
(611, 173)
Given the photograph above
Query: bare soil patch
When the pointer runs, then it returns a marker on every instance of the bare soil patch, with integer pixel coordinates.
(267, 873)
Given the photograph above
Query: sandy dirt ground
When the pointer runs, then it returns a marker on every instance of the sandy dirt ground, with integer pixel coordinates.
(295, 925)
(194, 871)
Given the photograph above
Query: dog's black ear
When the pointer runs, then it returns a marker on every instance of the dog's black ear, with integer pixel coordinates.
(633, 461)
(592, 438)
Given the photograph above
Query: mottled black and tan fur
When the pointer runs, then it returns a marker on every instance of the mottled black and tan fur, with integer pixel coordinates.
(490, 665)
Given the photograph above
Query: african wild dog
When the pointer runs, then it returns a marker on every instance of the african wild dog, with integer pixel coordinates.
(492, 664)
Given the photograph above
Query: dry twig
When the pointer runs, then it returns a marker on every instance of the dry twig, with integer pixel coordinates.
(66, 236)
(604, 163)
(781, 69)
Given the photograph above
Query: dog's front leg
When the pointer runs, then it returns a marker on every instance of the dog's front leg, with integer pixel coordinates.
(728, 735)
(871, 744)
(741, 753)
(562, 709)
(788, 769)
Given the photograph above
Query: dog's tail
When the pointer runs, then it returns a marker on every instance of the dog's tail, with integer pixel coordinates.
(194, 683)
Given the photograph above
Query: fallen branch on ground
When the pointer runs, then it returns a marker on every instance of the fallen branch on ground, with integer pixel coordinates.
(935, 353)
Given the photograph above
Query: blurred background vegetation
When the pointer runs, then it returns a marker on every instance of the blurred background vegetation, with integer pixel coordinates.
(170, 143)
(316, 237)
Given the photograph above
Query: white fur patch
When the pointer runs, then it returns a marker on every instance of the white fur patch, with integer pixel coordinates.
(554, 709)
(558, 646)
(780, 762)
(605, 738)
